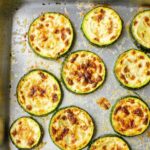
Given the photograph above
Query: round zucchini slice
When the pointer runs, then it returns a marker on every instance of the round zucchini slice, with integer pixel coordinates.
(109, 142)
(71, 128)
(130, 116)
(83, 72)
(140, 29)
(132, 69)
(102, 26)
(51, 35)
(26, 133)
(39, 92)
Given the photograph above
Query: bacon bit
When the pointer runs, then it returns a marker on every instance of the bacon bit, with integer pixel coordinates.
(141, 57)
(146, 19)
(40, 26)
(51, 17)
(64, 117)
(14, 133)
(125, 110)
(42, 18)
(71, 117)
(148, 73)
(138, 112)
(140, 65)
(42, 92)
(145, 121)
(133, 52)
(124, 78)
(132, 124)
(43, 76)
(132, 77)
(47, 25)
(31, 142)
(67, 42)
(70, 82)
(111, 26)
(56, 31)
(96, 39)
(99, 78)
(54, 131)
(102, 11)
(32, 91)
(74, 58)
(68, 31)
(54, 97)
(103, 103)
(18, 141)
(113, 37)
(126, 69)
(63, 36)
(55, 87)
(117, 109)
(37, 49)
(82, 55)
(29, 107)
(32, 37)
(135, 23)
(45, 38)
(103, 148)
(147, 64)
(63, 134)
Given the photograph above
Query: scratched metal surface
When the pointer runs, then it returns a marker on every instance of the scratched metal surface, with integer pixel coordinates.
(23, 59)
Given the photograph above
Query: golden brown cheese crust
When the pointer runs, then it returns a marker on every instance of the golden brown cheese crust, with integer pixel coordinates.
(140, 28)
(51, 35)
(38, 92)
(130, 116)
(109, 143)
(102, 26)
(83, 72)
(132, 68)
(71, 128)
(25, 133)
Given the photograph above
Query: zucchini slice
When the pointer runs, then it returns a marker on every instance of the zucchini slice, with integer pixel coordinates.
(102, 26)
(132, 69)
(83, 72)
(140, 29)
(39, 92)
(130, 116)
(71, 128)
(26, 133)
(109, 142)
(51, 35)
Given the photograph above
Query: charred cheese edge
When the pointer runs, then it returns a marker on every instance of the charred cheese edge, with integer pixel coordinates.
(130, 116)
(140, 29)
(109, 142)
(39, 92)
(51, 35)
(26, 133)
(132, 69)
(83, 72)
(71, 128)
(102, 26)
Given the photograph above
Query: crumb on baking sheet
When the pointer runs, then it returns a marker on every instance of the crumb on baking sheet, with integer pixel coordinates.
(103, 103)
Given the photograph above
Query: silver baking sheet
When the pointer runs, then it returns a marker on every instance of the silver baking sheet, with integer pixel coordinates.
(23, 59)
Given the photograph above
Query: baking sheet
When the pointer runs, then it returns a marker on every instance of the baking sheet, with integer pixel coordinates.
(24, 59)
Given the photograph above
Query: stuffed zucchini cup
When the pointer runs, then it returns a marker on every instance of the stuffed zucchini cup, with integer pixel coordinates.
(140, 30)
(26, 133)
(39, 92)
(51, 35)
(132, 69)
(102, 26)
(71, 128)
(130, 116)
(83, 72)
(109, 142)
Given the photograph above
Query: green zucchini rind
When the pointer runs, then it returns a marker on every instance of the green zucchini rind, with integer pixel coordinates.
(26, 133)
(130, 116)
(132, 69)
(51, 35)
(140, 30)
(83, 72)
(39, 92)
(109, 142)
(102, 26)
(71, 128)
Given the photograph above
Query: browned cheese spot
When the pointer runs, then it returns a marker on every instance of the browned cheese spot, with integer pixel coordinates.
(103, 103)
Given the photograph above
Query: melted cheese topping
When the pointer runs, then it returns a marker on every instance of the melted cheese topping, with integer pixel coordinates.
(140, 28)
(102, 26)
(133, 68)
(130, 116)
(25, 133)
(39, 92)
(71, 128)
(83, 72)
(109, 143)
(51, 35)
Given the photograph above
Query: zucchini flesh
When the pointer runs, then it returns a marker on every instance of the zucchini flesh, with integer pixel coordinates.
(140, 29)
(130, 116)
(71, 128)
(51, 35)
(25, 133)
(102, 26)
(83, 72)
(39, 93)
(132, 69)
(109, 142)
